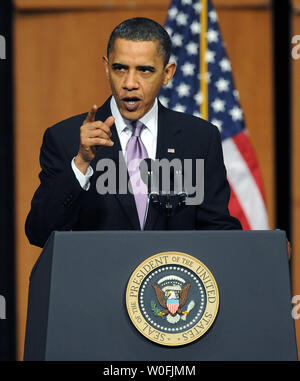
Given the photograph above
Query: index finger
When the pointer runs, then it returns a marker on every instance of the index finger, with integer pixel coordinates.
(106, 125)
(91, 115)
(109, 121)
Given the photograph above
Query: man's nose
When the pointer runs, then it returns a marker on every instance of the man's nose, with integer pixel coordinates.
(130, 81)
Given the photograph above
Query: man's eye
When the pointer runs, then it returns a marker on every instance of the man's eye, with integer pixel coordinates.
(118, 68)
(146, 70)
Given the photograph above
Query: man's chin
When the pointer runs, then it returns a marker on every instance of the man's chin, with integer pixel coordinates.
(132, 115)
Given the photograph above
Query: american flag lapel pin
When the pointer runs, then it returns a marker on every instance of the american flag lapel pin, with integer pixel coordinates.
(171, 150)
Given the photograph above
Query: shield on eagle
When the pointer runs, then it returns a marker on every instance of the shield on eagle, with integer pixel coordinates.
(172, 305)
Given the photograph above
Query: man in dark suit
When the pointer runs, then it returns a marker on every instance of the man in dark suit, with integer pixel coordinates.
(137, 65)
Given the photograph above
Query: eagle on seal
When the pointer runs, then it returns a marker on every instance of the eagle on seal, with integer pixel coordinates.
(170, 302)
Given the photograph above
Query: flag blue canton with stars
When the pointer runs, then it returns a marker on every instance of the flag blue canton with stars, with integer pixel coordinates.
(183, 93)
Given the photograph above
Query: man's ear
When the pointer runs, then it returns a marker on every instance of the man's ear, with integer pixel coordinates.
(169, 72)
(106, 66)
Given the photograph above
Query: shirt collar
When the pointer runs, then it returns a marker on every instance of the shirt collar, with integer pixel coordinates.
(149, 119)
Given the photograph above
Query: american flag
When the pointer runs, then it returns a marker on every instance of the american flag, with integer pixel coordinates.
(203, 86)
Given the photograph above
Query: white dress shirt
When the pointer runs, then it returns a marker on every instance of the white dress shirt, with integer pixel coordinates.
(124, 130)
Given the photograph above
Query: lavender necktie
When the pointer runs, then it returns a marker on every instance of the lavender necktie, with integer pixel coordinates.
(135, 153)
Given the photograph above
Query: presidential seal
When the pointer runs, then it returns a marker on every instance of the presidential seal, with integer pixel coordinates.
(172, 298)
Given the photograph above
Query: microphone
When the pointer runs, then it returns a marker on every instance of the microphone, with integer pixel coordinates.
(145, 164)
(148, 176)
(168, 201)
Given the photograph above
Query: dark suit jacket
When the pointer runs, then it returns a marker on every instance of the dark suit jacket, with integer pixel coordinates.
(60, 203)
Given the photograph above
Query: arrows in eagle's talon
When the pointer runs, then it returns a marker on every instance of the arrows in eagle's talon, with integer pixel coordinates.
(189, 308)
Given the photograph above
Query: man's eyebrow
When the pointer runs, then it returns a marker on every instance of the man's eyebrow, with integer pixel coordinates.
(119, 66)
(146, 67)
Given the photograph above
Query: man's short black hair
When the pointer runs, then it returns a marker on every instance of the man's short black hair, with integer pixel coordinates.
(142, 29)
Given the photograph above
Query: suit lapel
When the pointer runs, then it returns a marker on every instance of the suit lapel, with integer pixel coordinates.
(168, 147)
(168, 137)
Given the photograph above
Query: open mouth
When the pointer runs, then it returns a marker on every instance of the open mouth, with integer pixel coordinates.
(131, 104)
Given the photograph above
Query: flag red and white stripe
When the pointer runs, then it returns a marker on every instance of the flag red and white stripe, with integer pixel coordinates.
(247, 201)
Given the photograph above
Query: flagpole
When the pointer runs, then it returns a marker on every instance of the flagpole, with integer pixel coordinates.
(203, 64)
